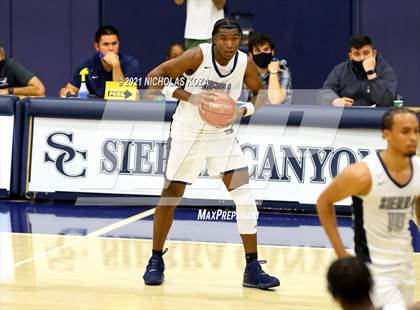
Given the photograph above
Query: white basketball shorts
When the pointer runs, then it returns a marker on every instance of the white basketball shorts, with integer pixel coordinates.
(394, 286)
(186, 157)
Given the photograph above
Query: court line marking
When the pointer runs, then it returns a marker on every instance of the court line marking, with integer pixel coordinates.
(95, 233)
(205, 242)
(224, 243)
(240, 244)
(140, 216)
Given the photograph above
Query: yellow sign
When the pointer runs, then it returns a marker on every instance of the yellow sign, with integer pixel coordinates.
(118, 91)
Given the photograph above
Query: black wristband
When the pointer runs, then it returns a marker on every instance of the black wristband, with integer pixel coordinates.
(370, 72)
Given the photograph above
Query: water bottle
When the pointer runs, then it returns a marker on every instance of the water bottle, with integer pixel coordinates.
(83, 91)
(398, 102)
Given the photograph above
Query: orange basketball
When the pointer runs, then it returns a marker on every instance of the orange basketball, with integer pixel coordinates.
(219, 112)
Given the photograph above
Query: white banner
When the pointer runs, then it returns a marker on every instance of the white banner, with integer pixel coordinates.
(6, 144)
(120, 157)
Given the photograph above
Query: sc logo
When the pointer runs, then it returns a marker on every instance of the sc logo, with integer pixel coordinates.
(67, 154)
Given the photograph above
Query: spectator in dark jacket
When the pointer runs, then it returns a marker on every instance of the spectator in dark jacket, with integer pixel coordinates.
(16, 80)
(365, 79)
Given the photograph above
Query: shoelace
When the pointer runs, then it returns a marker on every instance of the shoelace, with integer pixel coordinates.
(261, 262)
(156, 261)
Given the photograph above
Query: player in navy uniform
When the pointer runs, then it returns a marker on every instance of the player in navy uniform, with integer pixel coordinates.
(386, 188)
(192, 142)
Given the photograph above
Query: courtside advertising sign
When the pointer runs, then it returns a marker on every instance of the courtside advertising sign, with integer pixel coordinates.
(6, 144)
(120, 157)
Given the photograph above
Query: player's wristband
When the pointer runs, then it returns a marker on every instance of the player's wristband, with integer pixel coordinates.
(169, 90)
(250, 109)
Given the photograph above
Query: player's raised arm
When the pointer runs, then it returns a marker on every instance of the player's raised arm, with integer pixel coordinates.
(353, 180)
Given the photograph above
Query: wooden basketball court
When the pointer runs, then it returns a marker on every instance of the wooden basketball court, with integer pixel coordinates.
(89, 272)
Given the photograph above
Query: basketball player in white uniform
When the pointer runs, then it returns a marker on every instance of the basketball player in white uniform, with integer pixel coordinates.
(219, 66)
(386, 189)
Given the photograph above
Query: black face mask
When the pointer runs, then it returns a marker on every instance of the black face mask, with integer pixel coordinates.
(263, 59)
(358, 65)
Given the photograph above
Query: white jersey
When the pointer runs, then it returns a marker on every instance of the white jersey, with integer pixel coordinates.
(201, 17)
(381, 218)
(210, 75)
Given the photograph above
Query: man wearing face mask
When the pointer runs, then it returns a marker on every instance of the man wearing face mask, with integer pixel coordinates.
(274, 74)
(16, 80)
(365, 79)
(108, 64)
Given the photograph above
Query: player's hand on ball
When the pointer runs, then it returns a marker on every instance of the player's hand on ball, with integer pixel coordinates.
(217, 109)
(239, 113)
(198, 99)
